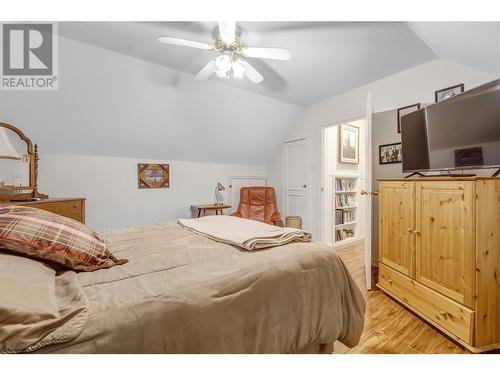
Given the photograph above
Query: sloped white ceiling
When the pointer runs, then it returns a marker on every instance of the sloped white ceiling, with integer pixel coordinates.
(114, 105)
(475, 44)
(327, 57)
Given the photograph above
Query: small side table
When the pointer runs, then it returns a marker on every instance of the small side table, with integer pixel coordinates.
(218, 208)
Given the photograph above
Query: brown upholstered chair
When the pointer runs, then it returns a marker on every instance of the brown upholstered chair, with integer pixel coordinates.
(258, 203)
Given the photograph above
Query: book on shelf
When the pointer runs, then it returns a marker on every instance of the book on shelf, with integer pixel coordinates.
(344, 184)
(344, 216)
(343, 234)
(344, 200)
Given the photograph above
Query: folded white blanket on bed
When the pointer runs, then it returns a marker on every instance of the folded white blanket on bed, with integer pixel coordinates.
(244, 233)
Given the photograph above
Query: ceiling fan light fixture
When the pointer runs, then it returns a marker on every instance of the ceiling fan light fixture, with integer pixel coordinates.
(223, 63)
(238, 69)
(221, 74)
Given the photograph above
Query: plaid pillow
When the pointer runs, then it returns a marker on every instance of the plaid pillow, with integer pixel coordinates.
(48, 236)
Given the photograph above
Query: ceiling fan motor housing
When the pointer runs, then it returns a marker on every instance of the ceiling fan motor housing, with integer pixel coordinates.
(232, 49)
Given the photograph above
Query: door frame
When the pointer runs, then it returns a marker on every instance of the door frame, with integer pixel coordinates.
(306, 223)
(324, 177)
(323, 180)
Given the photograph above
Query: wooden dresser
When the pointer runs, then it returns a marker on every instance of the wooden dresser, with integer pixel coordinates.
(73, 208)
(439, 254)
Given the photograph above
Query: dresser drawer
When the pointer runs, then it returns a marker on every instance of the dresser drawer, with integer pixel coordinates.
(52, 207)
(73, 208)
(78, 216)
(453, 318)
(70, 207)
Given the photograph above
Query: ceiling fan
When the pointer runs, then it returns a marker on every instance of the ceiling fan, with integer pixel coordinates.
(231, 61)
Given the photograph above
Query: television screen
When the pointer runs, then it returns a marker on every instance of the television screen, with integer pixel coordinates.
(462, 132)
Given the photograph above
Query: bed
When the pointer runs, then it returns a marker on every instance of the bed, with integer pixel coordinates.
(182, 292)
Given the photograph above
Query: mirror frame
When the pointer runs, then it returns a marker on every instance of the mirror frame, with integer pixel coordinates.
(33, 156)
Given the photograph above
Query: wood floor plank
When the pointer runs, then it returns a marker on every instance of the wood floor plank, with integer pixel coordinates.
(377, 343)
(390, 327)
(403, 327)
(429, 341)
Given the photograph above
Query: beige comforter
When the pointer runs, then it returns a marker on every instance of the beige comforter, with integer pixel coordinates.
(185, 293)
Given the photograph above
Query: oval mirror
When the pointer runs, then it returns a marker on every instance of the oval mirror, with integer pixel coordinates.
(16, 161)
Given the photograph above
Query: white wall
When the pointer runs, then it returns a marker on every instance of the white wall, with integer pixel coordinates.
(110, 186)
(407, 87)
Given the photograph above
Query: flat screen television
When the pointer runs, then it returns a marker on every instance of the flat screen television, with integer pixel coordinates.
(462, 132)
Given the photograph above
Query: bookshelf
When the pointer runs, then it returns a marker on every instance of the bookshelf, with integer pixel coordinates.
(345, 208)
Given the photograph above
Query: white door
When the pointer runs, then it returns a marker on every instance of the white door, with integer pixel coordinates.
(296, 180)
(367, 193)
(235, 183)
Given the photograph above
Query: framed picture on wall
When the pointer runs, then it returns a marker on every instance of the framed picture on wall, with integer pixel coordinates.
(390, 153)
(448, 92)
(349, 144)
(404, 111)
(153, 176)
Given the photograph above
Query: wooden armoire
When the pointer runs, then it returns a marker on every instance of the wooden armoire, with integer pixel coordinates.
(439, 253)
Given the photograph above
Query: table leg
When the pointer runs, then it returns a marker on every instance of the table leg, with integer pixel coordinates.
(199, 212)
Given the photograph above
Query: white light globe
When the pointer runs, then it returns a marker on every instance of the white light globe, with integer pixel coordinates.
(223, 63)
(238, 68)
(221, 74)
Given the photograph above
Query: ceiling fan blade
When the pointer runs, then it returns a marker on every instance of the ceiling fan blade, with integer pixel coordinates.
(251, 73)
(227, 31)
(184, 43)
(207, 70)
(267, 53)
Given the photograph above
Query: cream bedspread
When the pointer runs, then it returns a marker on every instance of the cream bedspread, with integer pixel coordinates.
(244, 233)
(185, 293)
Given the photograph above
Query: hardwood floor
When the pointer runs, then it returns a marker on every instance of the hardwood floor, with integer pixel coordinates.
(389, 327)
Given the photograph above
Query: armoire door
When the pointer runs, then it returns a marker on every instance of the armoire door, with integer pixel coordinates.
(396, 223)
(445, 238)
